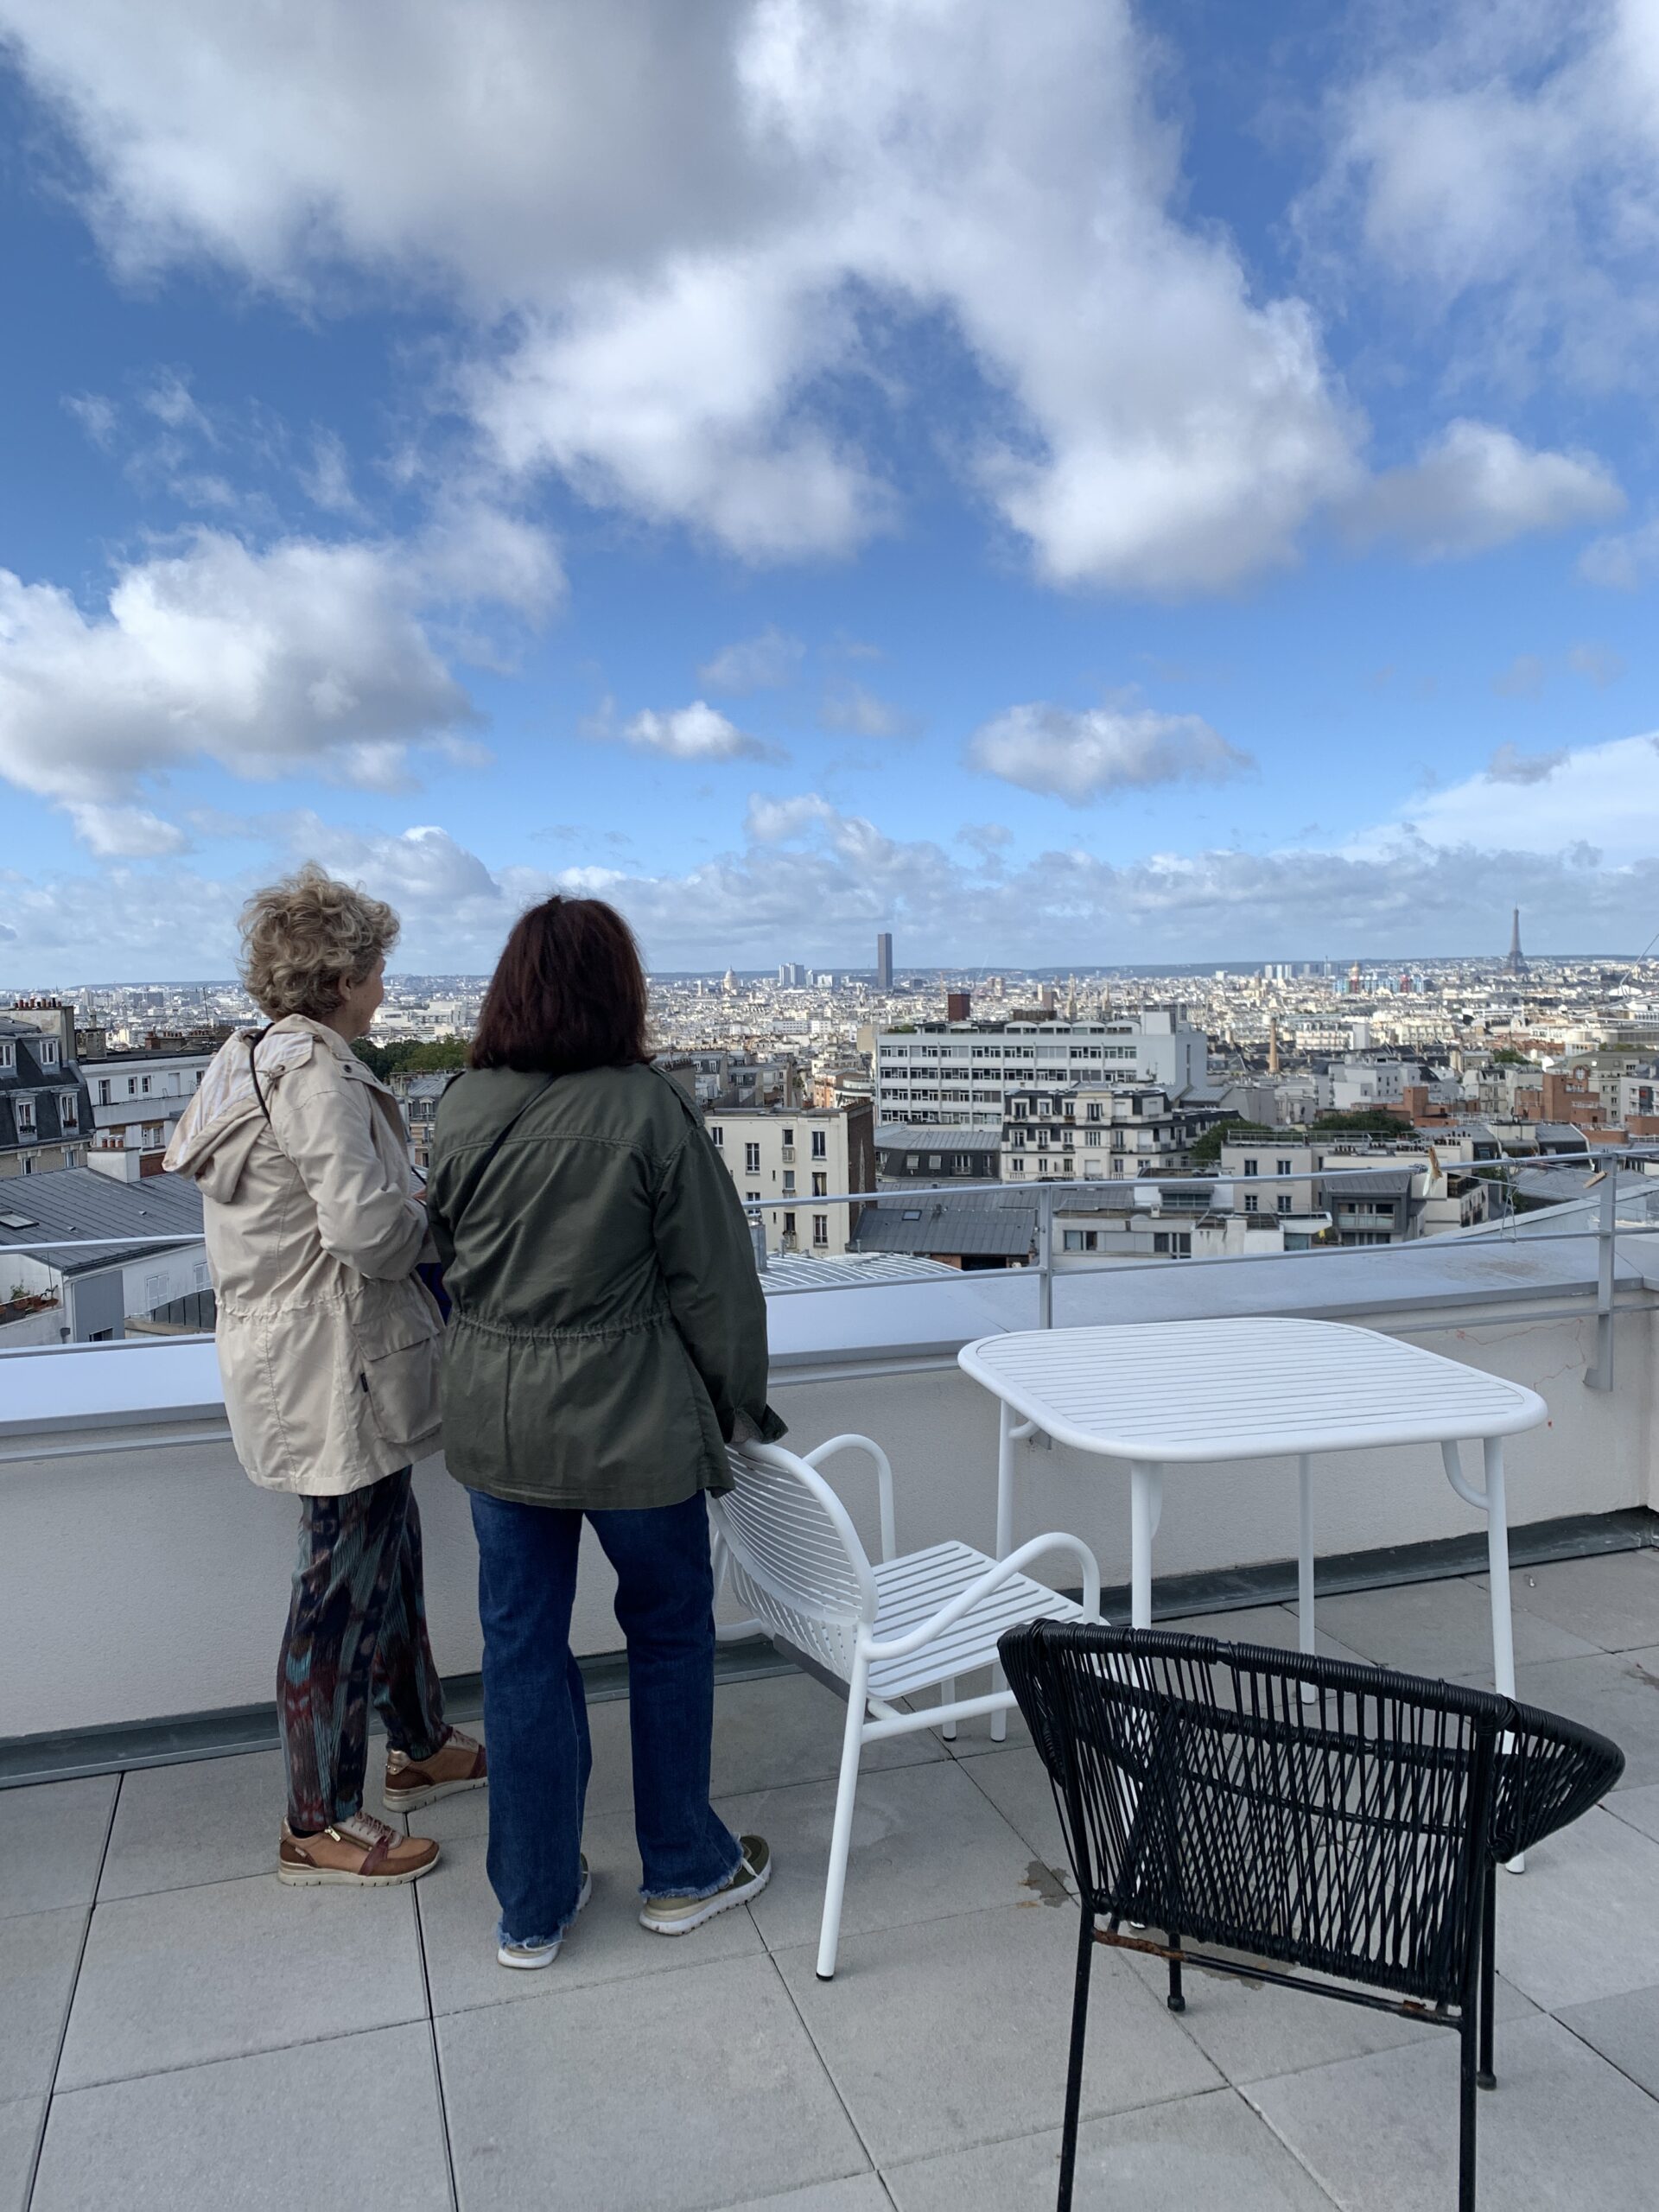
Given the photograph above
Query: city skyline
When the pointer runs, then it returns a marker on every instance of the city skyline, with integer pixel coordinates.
(1106, 483)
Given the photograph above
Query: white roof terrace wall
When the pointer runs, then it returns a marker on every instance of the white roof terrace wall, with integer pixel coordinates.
(140, 1575)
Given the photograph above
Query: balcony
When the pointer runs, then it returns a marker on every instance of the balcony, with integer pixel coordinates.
(175, 2030)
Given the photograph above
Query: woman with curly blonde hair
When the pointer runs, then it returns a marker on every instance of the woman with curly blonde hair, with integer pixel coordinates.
(329, 1348)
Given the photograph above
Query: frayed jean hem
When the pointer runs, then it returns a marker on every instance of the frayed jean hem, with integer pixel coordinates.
(531, 1942)
(655, 1896)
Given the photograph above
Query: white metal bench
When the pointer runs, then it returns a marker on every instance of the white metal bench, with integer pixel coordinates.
(785, 1547)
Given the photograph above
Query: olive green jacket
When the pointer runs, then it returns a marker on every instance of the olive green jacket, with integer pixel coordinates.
(609, 1330)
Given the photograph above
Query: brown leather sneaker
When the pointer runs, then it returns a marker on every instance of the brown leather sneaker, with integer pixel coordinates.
(458, 1763)
(362, 1852)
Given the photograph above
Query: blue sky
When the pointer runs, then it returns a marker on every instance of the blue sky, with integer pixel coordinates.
(1070, 485)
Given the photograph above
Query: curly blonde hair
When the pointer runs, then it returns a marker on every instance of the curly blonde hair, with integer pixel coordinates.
(303, 937)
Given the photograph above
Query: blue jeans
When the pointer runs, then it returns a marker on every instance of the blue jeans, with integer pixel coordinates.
(536, 1713)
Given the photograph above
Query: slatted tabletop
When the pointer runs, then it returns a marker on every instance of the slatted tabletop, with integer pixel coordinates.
(1175, 1391)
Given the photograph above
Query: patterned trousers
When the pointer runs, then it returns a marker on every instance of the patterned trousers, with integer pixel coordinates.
(356, 1630)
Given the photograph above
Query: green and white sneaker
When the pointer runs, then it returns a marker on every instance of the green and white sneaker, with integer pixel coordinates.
(679, 1916)
(528, 1956)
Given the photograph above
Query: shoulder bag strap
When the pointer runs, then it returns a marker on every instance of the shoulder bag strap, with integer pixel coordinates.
(494, 1145)
(257, 1038)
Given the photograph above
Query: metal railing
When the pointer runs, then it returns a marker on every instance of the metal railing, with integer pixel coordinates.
(1601, 1187)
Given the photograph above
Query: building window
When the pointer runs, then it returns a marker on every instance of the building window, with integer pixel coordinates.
(789, 1224)
(104, 1091)
(1282, 1202)
(820, 1228)
(752, 1157)
(820, 1186)
(788, 1136)
(1082, 1240)
(717, 1137)
(1091, 1136)
(1252, 1204)
(24, 1110)
(789, 1182)
(820, 1144)
(144, 1082)
(68, 1111)
(48, 1052)
(753, 1197)
(1250, 1166)
(1094, 1113)
(1283, 1166)
(133, 1086)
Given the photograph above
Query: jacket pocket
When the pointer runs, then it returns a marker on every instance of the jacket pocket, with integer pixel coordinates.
(398, 1368)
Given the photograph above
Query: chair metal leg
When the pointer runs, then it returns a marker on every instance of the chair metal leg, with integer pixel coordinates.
(1466, 2114)
(1074, 2070)
(1484, 2075)
(947, 1696)
(841, 1840)
(1175, 2001)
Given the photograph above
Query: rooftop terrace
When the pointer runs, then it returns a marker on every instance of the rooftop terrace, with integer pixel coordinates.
(176, 2030)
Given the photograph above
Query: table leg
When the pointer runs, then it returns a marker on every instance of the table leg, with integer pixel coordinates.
(1005, 1441)
(1305, 1631)
(1497, 1557)
(1144, 1487)
(1005, 1479)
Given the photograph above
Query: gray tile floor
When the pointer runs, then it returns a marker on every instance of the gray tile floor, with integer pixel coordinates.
(177, 2032)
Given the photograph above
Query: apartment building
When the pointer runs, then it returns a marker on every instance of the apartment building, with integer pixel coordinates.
(1374, 1194)
(962, 1072)
(138, 1098)
(1089, 1133)
(792, 1155)
(45, 1117)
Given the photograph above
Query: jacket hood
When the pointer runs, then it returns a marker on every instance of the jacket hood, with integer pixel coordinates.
(218, 1128)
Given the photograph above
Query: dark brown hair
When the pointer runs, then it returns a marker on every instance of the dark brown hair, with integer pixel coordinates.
(568, 992)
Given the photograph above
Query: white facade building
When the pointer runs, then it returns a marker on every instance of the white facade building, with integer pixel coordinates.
(138, 1098)
(793, 1155)
(960, 1072)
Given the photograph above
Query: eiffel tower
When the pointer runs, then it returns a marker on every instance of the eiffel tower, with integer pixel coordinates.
(1517, 963)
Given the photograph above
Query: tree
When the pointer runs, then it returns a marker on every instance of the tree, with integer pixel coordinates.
(1365, 1120)
(1206, 1150)
(408, 1056)
(1507, 1057)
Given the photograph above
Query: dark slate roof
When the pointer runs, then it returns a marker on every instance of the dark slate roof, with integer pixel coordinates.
(78, 1202)
(957, 1225)
(1375, 1183)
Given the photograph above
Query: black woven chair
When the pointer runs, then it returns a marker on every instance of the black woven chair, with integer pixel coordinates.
(1353, 1833)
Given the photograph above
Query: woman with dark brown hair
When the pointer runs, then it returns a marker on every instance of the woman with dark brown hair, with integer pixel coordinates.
(608, 1340)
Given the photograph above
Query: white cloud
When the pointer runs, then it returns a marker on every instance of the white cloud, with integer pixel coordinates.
(303, 655)
(695, 217)
(1525, 678)
(1597, 664)
(851, 708)
(1509, 765)
(698, 732)
(97, 414)
(1502, 162)
(1625, 561)
(1476, 487)
(125, 832)
(1602, 797)
(1081, 757)
(764, 662)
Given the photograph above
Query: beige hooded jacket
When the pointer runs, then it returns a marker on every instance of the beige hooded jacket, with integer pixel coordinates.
(327, 1340)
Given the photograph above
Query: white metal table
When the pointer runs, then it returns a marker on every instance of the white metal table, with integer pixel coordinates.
(1161, 1394)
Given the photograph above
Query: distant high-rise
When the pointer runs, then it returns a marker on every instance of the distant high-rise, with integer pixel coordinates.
(1517, 963)
(884, 961)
